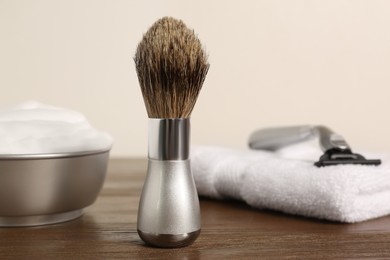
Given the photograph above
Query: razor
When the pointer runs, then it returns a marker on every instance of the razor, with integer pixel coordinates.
(336, 149)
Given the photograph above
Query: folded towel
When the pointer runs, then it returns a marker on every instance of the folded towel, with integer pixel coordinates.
(287, 181)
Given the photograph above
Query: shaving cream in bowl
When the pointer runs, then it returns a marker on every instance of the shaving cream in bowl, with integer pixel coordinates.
(52, 164)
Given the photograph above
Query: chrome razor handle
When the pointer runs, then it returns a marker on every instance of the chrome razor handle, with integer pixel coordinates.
(168, 213)
(330, 140)
(278, 137)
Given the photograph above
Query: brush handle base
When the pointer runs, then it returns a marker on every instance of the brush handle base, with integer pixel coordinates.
(169, 241)
(168, 213)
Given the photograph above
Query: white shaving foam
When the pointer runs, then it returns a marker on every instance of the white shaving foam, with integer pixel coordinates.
(35, 128)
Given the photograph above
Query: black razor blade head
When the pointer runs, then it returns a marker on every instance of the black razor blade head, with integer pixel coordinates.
(337, 157)
(337, 162)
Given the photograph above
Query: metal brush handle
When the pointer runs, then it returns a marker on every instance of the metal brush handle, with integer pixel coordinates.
(278, 137)
(168, 213)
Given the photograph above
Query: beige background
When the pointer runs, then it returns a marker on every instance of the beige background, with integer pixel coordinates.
(272, 63)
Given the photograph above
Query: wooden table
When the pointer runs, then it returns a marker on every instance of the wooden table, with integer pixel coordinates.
(230, 230)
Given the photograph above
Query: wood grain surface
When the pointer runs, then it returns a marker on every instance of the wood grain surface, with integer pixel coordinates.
(230, 230)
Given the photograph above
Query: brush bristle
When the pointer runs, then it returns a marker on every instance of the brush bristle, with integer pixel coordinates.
(171, 67)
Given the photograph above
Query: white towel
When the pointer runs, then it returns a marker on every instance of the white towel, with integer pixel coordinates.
(287, 181)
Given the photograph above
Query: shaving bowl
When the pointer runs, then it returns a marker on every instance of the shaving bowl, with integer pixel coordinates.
(40, 189)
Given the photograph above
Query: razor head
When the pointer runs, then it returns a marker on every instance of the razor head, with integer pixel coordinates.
(338, 156)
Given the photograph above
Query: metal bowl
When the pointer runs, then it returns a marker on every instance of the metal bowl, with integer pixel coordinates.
(49, 188)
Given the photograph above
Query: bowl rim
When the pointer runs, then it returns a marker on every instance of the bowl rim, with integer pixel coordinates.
(51, 155)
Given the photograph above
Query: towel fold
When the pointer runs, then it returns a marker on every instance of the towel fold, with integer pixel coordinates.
(287, 181)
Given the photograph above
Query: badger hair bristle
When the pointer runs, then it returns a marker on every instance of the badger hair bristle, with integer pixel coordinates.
(171, 67)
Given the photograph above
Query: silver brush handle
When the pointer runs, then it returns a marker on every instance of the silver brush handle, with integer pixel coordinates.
(168, 213)
(278, 137)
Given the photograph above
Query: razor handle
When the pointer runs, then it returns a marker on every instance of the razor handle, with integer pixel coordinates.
(278, 137)
(336, 149)
(169, 213)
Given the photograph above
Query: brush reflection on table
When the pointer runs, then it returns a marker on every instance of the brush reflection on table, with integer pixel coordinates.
(229, 230)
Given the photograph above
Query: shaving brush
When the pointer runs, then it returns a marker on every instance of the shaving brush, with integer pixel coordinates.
(171, 67)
